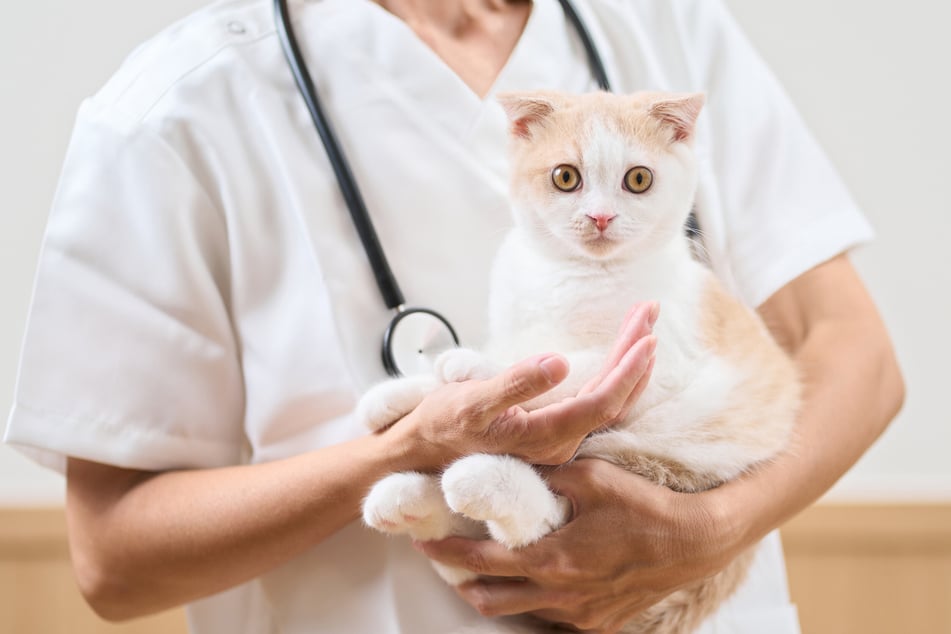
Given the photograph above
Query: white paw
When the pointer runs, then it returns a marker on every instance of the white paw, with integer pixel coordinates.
(452, 575)
(507, 494)
(387, 402)
(408, 503)
(463, 364)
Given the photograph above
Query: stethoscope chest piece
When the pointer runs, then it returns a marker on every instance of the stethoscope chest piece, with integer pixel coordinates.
(413, 340)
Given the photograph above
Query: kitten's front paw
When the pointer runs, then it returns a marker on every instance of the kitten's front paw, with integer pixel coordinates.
(453, 576)
(462, 364)
(410, 503)
(507, 494)
(387, 402)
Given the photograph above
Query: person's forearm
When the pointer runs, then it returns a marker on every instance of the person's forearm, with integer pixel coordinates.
(144, 542)
(852, 389)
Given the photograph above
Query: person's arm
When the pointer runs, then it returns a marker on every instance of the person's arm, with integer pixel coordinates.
(143, 541)
(658, 540)
(853, 388)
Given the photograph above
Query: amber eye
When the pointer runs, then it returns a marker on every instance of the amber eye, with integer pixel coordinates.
(638, 180)
(566, 178)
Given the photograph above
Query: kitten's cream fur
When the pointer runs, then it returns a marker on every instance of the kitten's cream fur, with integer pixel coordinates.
(723, 395)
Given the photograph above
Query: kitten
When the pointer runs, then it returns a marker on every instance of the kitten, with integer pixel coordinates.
(601, 187)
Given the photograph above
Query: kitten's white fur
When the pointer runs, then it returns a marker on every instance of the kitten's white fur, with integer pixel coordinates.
(557, 287)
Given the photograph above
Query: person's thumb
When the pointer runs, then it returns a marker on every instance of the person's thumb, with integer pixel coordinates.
(526, 380)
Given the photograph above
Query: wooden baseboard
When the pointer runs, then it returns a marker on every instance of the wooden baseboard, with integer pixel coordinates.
(871, 529)
(38, 594)
(871, 569)
(854, 569)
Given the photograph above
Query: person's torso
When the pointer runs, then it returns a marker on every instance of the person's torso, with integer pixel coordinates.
(430, 159)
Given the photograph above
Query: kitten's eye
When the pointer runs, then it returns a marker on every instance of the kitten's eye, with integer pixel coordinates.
(638, 180)
(567, 178)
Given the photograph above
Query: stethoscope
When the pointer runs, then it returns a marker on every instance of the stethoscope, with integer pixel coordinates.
(414, 335)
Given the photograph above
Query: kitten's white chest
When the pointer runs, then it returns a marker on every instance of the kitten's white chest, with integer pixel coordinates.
(539, 304)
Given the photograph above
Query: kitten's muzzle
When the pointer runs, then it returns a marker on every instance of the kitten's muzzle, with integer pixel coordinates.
(601, 220)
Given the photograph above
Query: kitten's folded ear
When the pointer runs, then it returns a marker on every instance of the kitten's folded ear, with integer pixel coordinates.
(525, 110)
(680, 113)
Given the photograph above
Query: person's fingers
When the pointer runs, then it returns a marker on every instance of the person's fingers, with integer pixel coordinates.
(484, 557)
(626, 377)
(502, 598)
(638, 323)
(591, 411)
(576, 481)
(523, 381)
(633, 324)
(562, 617)
(586, 479)
(639, 388)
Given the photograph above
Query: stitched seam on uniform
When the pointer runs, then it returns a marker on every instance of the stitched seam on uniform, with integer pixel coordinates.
(172, 84)
(116, 425)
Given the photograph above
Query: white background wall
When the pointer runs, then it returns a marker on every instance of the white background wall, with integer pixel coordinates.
(872, 79)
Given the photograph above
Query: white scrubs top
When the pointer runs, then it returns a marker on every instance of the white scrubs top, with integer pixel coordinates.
(202, 298)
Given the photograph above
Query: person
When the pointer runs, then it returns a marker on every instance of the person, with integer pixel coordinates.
(204, 319)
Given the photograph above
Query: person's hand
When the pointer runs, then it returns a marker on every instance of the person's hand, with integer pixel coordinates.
(629, 544)
(485, 416)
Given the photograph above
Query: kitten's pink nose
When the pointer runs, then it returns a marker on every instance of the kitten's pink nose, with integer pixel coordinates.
(601, 221)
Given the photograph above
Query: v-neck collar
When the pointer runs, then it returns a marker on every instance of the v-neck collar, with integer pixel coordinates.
(526, 68)
(396, 58)
(418, 42)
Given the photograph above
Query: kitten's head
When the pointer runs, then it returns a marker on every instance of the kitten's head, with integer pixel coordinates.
(604, 176)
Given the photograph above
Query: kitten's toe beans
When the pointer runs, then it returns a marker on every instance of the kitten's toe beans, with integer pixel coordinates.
(408, 503)
(387, 402)
(463, 364)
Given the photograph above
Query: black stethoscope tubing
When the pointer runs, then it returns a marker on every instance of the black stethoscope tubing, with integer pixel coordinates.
(386, 281)
(591, 51)
(390, 290)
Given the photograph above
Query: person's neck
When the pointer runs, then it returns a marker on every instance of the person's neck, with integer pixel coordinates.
(473, 37)
(454, 17)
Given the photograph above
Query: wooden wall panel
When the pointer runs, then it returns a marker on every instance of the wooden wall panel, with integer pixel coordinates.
(871, 569)
(37, 592)
(853, 570)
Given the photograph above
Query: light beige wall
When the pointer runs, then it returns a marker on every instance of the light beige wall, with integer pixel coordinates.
(870, 78)
(53, 53)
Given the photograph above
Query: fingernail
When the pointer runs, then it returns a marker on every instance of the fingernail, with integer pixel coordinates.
(551, 368)
(654, 314)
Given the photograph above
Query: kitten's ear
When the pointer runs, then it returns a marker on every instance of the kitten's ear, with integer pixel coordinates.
(525, 110)
(680, 113)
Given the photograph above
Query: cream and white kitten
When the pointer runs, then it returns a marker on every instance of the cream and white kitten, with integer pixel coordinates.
(602, 186)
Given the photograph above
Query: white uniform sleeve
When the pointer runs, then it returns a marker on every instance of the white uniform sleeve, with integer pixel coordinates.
(785, 209)
(129, 357)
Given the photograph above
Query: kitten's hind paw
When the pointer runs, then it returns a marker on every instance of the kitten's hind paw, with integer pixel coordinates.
(387, 402)
(408, 503)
